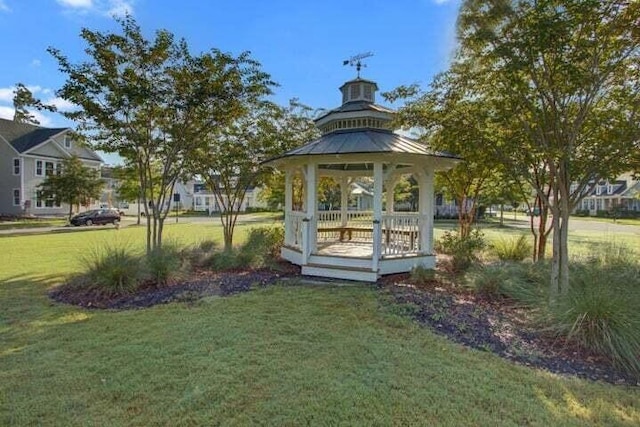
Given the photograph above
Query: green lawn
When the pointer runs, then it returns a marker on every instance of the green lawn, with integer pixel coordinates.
(32, 223)
(285, 355)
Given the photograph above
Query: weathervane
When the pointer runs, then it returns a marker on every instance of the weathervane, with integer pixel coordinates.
(357, 61)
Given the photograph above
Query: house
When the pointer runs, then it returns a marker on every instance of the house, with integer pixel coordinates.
(28, 154)
(204, 200)
(621, 196)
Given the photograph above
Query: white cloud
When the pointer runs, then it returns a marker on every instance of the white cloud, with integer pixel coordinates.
(6, 94)
(61, 104)
(4, 7)
(36, 63)
(120, 8)
(7, 113)
(102, 7)
(441, 1)
(76, 4)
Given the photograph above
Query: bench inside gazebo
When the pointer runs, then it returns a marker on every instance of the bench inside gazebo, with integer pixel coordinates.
(360, 244)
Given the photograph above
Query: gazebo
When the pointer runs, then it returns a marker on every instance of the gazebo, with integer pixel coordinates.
(357, 142)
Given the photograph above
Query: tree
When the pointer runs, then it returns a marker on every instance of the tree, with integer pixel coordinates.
(129, 187)
(154, 103)
(452, 121)
(562, 79)
(23, 98)
(75, 184)
(231, 161)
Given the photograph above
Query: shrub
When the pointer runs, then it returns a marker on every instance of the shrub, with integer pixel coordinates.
(422, 276)
(463, 250)
(262, 246)
(111, 270)
(224, 260)
(512, 249)
(164, 263)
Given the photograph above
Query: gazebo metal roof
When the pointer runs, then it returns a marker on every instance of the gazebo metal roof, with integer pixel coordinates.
(364, 141)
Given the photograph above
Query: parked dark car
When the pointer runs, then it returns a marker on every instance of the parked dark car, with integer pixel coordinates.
(97, 217)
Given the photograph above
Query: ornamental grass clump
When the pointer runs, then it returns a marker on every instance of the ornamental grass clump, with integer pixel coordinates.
(601, 314)
(512, 248)
(111, 270)
(165, 263)
(520, 282)
(601, 310)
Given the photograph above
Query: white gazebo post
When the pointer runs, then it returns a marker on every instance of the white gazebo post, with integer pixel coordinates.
(309, 224)
(288, 206)
(377, 215)
(425, 199)
(344, 200)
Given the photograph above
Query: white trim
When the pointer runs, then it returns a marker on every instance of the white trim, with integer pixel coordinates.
(13, 197)
(13, 166)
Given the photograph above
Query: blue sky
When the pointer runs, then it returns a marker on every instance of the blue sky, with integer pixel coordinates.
(300, 43)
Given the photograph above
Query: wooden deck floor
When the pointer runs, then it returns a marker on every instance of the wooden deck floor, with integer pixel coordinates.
(346, 249)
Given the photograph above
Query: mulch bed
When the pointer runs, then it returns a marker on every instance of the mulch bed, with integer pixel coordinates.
(497, 327)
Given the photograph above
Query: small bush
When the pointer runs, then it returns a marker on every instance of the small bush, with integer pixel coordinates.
(422, 276)
(224, 260)
(262, 246)
(512, 249)
(111, 270)
(463, 250)
(164, 263)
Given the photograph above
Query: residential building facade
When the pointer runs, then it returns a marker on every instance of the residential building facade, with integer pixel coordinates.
(28, 154)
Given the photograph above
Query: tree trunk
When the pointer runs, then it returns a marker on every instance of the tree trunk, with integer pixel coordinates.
(502, 215)
(148, 233)
(554, 284)
(159, 236)
(138, 210)
(227, 230)
(70, 210)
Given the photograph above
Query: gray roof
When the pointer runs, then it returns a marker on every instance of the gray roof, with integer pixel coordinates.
(24, 136)
(356, 106)
(364, 140)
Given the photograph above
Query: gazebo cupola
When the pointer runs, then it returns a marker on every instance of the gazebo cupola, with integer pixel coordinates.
(357, 142)
(358, 109)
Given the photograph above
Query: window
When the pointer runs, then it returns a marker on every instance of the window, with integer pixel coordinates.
(58, 168)
(48, 168)
(355, 91)
(16, 166)
(367, 92)
(38, 167)
(16, 197)
(67, 141)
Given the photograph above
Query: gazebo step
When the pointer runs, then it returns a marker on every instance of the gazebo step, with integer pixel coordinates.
(338, 261)
(347, 273)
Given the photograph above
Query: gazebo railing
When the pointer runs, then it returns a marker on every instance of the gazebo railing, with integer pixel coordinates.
(293, 229)
(401, 233)
(331, 219)
(357, 226)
